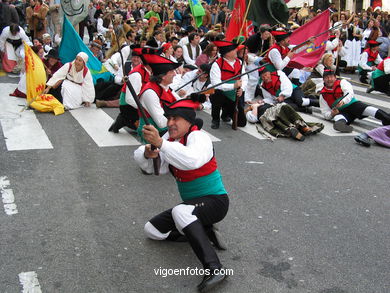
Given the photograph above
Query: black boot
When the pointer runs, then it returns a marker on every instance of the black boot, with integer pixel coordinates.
(215, 124)
(201, 245)
(215, 237)
(176, 236)
(118, 124)
(383, 116)
(314, 102)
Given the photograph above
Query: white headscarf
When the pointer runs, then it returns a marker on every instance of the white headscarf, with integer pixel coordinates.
(75, 76)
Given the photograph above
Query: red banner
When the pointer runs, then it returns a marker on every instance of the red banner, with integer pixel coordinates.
(236, 21)
(312, 54)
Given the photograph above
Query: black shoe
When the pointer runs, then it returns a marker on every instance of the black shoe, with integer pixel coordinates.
(211, 280)
(214, 124)
(226, 119)
(113, 128)
(342, 126)
(294, 133)
(369, 90)
(363, 139)
(215, 238)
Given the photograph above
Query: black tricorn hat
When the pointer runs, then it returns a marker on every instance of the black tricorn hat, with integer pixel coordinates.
(159, 64)
(53, 53)
(225, 46)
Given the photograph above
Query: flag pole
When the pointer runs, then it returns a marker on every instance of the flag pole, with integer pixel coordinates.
(246, 14)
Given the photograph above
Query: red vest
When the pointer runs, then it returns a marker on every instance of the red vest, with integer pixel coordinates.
(140, 68)
(226, 70)
(282, 50)
(190, 175)
(166, 97)
(331, 95)
(381, 65)
(371, 55)
(274, 85)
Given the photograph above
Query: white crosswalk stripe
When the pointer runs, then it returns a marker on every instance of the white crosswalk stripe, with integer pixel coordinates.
(22, 130)
(96, 123)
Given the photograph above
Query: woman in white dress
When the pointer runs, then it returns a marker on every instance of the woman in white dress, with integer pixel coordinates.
(353, 44)
(72, 84)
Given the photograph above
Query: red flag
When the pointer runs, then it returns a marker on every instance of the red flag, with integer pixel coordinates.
(376, 3)
(311, 55)
(236, 21)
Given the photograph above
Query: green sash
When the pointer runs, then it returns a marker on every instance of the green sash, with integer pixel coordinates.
(231, 95)
(377, 73)
(122, 99)
(205, 185)
(343, 106)
(368, 63)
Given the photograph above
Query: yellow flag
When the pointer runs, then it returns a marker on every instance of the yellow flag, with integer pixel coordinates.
(35, 74)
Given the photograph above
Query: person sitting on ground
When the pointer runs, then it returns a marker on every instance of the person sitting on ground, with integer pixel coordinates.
(338, 103)
(315, 82)
(380, 135)
(368, 61)
(21, 89)
(72, 84)
(128, 109)
(277, 88)
(380, 78)
(281, 120)
(11, 47)
(52, 63)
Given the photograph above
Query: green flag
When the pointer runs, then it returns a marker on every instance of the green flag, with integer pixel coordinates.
(197, 11)
(267, 11)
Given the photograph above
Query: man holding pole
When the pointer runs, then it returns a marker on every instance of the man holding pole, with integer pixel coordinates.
(224, 98)
(338, 103)
(156, 92)
(138, 77)
(279, 55)
(188, 154)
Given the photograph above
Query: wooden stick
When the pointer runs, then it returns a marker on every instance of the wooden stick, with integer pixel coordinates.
(246, 14)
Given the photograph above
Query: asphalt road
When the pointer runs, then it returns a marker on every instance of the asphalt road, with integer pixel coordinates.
(305, 217)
